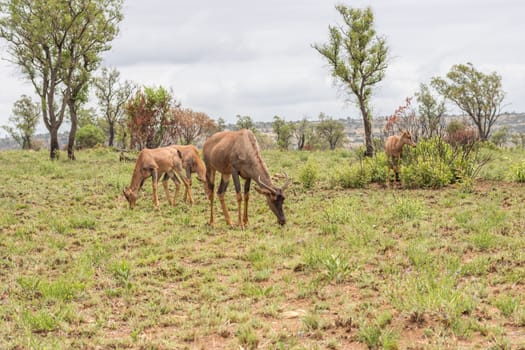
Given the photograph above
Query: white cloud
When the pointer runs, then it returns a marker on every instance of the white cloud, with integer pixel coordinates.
(255, 58)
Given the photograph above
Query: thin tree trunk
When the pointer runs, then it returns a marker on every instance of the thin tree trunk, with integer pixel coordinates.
(300, 143)
(26, 142)
(481, 132)
(72, 131)
(111, 134)
(53, 145)
(368, 129)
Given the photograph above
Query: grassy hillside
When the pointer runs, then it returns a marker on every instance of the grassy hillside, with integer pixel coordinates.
(364, 268)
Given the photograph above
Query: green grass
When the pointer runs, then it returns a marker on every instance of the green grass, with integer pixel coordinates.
(360, 268)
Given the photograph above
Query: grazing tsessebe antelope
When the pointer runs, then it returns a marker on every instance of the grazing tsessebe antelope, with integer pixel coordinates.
(236, 154)
(394, 149)
(153, 162)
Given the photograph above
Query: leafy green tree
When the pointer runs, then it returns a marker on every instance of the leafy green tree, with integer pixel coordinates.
(89, 136)
(331, 131)
(303, 131)
(25, 119)
(112, 95)
(500, 136)
(221, 124)
(57, 44)
(358, 60)
(284, 132)
(477, 94)
(86, 116)
(431, 112)
(245, 122)
(455, 126)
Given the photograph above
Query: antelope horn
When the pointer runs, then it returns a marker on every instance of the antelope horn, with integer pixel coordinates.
(262, 184)
(287, 182)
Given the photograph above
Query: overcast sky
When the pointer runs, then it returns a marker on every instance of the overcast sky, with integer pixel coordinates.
(255, 58)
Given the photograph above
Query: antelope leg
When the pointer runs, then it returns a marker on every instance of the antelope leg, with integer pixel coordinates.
(246, 198)
(154, 179)
(188, 176)
(166, 189)
(222, 189)
(210, 182)
(187, 185)
(237, 184)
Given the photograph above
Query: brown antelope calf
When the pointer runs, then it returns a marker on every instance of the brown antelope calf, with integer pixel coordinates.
(394, 149)
(236, 154)
(152, 162)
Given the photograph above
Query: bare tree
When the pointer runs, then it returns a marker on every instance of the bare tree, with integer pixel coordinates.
(191, 125)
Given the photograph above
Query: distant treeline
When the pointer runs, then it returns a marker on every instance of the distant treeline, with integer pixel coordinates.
(514, 121)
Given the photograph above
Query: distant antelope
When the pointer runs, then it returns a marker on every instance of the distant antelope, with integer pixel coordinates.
(394, 149)
(236, 154)
(153, 162)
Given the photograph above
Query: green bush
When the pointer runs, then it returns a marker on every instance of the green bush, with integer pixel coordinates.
(435, 164)
(309, 174)
(359, 174)
(426, 174)
(352, 176)
(429, 165)
(518, 172)
(89, 136)
(377, 166)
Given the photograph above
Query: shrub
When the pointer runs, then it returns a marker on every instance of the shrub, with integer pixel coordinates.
(354, 176)
(426, 174)
(462, 137)
(37, 145)
(377, 166)
(309, 174)
(89, 136)
(435, 164)
(429, 165)
(518, 172)
(359, 175)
